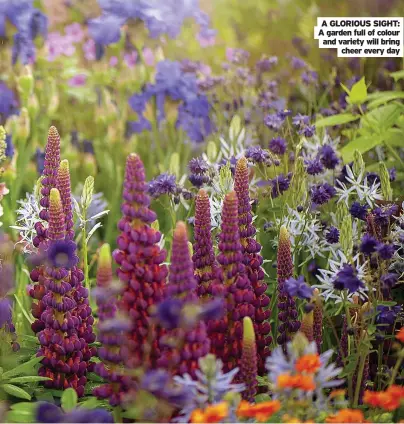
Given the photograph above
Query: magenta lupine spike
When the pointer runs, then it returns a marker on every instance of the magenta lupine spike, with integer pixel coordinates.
(140, 261)
(249, 363)
(307, 326)
(49, 181)
(286, 305)
(182, 285)
(111, 334)
(206, 268)
(227, 343)
(66, 353)
(253, 263)
(63, 185)
(318, 320)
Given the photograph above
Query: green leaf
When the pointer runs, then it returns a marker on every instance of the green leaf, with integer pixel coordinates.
(398, 75)
(363, 144)
(384, 97)
(28, 379)
(16, 391)
(382, 118)
(23, 368)
(339, 119)
(90, 403)
(24, 406)
(21, 416)
(69, 399)
(358, 92)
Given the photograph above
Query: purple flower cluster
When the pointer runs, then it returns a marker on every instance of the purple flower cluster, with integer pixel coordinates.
(347, 278)
(198, 172)
(322, 193)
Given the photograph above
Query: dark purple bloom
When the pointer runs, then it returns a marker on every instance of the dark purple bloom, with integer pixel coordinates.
(163, 184)
(389, 280)
(314, 166)
(280, 184)
(382, 214)
(307, 130)
(359, 211)
(257, 154)
(372, 178)
(62, 254)
(328, 157)
(386, 316)
(298, 287)
(300, 120)
(278, 145)
(197, 166)
(332, 235)
(368, 244)
(322, 193)
(273, 121)
(8, 104)
(347, 279)
(168, 313)
(385, 251)
(50, 413)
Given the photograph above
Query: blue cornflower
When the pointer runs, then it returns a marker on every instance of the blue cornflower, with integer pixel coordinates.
(328, 157)
(347, 279)
(359, 211)
(368, 244)
(385, 251)
(322, 193)
(298, 287)
(274, 121)
(314, 166)
(300, 120)
(257, 154)
(278, 145)
(163, 184)
(332, 235)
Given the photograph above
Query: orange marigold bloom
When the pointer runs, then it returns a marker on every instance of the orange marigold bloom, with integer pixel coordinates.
(388, 400)
(347, 416)
(400, 335)
(298, 381)
(337, 393)
(211, 414)
(260, 411)
(308, 363)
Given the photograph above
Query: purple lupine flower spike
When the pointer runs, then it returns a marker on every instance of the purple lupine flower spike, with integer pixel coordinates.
(318, 320)
(112, 333)
(286, 304)
(205, 266)
(253, 263)
(249, 367)
(140, 262)
(66, 354)
(63, 185)
(182, 285)
(307, 326)
(343, 344)
(240, 294)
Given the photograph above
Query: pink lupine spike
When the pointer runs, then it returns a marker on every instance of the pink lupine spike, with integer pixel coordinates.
(63, 185)
(253, 263)
(140, 262)
(57, 227)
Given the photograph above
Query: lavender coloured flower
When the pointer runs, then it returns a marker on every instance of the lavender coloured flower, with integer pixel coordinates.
(274, 122)
(300, 120)
(257, 155)
(288, 315)
(298, 288)
(191, 344)
(198, 169)
(278, 145)
(163, 184)
(252, 261)
(347, 279)
(332, 235)
(140, 264)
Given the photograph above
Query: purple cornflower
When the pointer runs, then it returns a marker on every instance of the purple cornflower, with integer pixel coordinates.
(307, 130)
(347, 279)
(368, 244)
(162, 184)
(332, 235)
(280, 184)
(328, 157)
(274, 122)
(359, 211)
(314, 166)
(385, 251)
(300, 120)
(322, 193)
(298, 287)
(278, 145)
(256, 154)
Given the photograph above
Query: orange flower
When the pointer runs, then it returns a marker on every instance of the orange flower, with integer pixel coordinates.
(260, 411)
(211, 414)
(337, 393)
(388, 400)
(308, 363)
(347, 416)
(400, 335)
(298, 381)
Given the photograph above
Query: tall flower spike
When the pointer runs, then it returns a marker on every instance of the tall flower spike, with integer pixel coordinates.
(286, 304)
(111, 334)
(194, 343)
(63, 185)
(318, 320)
(249, 368)
(64, 348)
(253, 263)
(240, 294)
(307, 326)
(140, 261)
(205, 265)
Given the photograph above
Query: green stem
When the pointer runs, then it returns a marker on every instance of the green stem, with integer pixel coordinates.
(397, 367)
(84, 254)
(359, 380)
